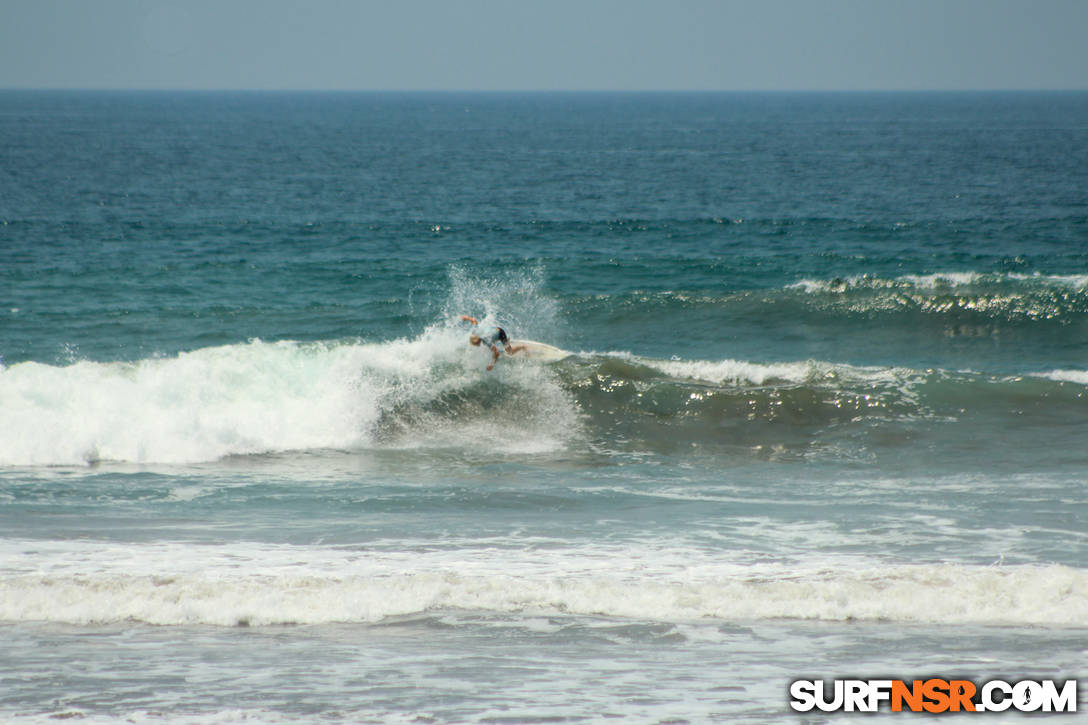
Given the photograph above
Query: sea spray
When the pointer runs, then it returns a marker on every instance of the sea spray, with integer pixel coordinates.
(260, 397)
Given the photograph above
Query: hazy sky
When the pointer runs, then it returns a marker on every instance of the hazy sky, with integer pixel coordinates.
(546, 45)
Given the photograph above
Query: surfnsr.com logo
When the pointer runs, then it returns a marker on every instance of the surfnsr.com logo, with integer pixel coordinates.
(933, 695)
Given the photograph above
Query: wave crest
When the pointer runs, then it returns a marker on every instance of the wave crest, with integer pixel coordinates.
(433, 392)
(1006, 297)
(262, 397)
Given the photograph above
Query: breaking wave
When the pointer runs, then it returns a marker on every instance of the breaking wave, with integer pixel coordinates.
(1010, 297)
(263, 397)
(317, 586)
(433, 391)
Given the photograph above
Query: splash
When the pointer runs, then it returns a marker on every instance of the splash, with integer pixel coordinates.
(264, 397)
(514, 301)
(261, 397)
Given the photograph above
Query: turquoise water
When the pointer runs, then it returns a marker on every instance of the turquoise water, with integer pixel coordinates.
(823, 411)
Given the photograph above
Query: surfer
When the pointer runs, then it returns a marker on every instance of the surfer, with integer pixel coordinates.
(498, 337)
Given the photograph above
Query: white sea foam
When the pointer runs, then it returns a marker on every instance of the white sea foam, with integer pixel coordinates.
(942, 279)
(737, 372)
(196, 406)
(264, 397)
(944, 594)
(1066, 376)
(169, 585)
(741, 372)
(136, 717)
(935, 281)
(920, 281)
(1076, 281)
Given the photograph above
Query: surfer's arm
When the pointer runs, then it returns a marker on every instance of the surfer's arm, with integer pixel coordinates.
(494, 357)
(466, 318)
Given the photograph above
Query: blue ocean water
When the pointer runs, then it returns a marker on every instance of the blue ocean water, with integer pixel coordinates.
(823, 411)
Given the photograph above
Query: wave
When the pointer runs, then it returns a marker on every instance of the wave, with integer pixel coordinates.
(266, 397)
(806, 408)
(433, 391)
(196, 406)
(944, 280)
(263, 397)
(1072, 376)
(941, 311)
(1012, 297)
(1051, 595)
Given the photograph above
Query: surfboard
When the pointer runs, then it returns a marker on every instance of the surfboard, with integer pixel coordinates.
(534, 350)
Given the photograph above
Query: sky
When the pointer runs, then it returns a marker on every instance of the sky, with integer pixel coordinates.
(491, 45)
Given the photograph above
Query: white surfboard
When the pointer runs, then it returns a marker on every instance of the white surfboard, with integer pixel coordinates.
(534, 350)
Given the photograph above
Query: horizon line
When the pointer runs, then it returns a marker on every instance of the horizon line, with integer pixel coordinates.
(541, 91)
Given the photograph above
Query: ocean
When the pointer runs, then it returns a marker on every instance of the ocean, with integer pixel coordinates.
(824, 412)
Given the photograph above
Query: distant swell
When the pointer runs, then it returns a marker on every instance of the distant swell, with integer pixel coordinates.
(1008, 297)
(951, 297)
